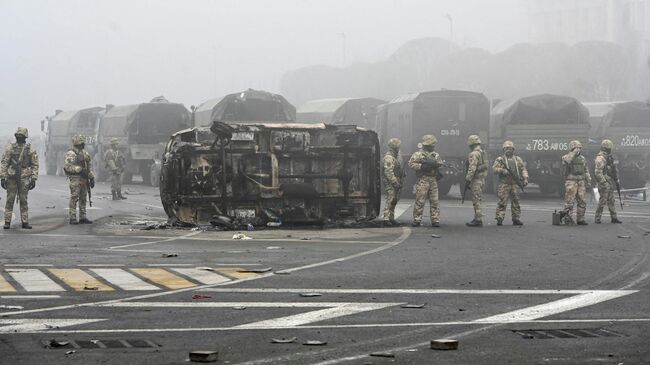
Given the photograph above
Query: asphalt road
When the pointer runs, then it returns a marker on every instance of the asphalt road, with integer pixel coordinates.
(532, 294)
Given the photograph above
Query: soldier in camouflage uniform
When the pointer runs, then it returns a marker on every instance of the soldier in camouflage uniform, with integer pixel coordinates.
(477, 170)
(426, 163)
(508, 187)
(607, 181)
(77, 167)
(576, 180)
(115, 164)
(393, 175)
(18, 175)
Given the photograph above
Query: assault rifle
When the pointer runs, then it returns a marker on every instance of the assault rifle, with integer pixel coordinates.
(514, 177)
(85, 174)
(464, 188)
(610, 162)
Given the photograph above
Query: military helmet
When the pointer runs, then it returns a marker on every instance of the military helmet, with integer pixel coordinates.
(429, 140)
(508, 144)
(115, 141)
(21, 131)
(394, 143)
(607, 144)
(574, 144)
(78, 139)
(473, 139)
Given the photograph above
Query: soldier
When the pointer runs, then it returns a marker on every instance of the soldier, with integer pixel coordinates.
(511, 172)
(77, 168)
(18, 175)
(426, 163)
(576, 180)
(393, 175)
(115, 164)
(607, 179)
(477, 169)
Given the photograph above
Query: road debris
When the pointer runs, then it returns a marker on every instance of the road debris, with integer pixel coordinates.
(71, 352)
(382, 354)
(54, 343)
(240, 236)
(274, 224)
(310, 295)
(204, 356)
(205, 268)
(274, 248)
(435, 236)
(314, 343)
(50, 206)
(255, 271)
(169, 255)
(624, 236)
(413, 306)
(305, 239)
(87, 287)
(19, 307)
(200, 296)
(444, 344)
(284, 340)
(239, 308)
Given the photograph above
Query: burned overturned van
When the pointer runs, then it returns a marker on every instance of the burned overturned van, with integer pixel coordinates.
(271, 173)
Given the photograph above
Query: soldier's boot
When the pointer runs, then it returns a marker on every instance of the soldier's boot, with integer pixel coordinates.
(415, 224)
(119, 195)
(114, 193)
(474, 223)
(435, 224)
(73, 221)
(517, 222)
(27, 225)
(582, 223)
(615, 220)
(394, 222)
(85, 220)
(597, 220)
(7, 225)
(386, 223)
(499, 222)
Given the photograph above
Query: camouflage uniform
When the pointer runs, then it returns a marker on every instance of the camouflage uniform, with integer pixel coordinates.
(18, 155)
(393, 173)
(77, 167)
(604, 172)
(508, 188)
(426, 183)
(115, 164)
(476, 172)
(576, 180)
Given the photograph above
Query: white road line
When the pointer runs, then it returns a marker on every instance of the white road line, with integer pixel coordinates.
(29, 296)
(555, 307)
(405, 291)
(202, 276)
(370, 325)
(22, 265)
(638, 280)
(123, 279)
(233, 304)
(96, 265)
(170, 265)
(401, 208)
(34, 280)
(117, 248)
(39, 325)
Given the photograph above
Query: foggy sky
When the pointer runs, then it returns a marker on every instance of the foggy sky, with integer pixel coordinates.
(71, 54)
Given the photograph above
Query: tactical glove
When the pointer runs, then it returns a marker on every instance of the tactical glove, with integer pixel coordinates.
(92, 183)
(32, 184)
(3, 183)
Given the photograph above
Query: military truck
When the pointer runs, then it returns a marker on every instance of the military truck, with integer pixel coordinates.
(450, 115)
(359, 111)
(628, 126)
(60, 129)
(142, 130)
(541, 127)
(246, 106)
(232, 174)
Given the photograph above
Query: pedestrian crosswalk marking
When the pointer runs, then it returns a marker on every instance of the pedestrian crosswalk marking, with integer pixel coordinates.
(202, 276)
(164, 277)
(234, 272)
(5, 286)
(123, 279)
(111, 279)
(34, 280)
(79, 280)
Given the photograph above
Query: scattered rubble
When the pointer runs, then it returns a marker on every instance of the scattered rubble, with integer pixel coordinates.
(165, 255)
(444, 344)
(314, 343)
(284, 340)
(204, 356)
(240, 236)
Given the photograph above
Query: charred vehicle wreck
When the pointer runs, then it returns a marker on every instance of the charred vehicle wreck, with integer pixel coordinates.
(271, 173)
